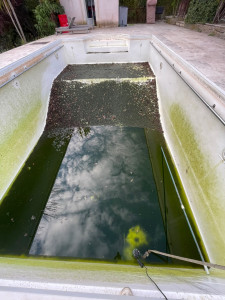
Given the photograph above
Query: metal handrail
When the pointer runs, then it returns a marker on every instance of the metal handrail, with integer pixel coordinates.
(34, 64)
(193, 261)
(185, 214)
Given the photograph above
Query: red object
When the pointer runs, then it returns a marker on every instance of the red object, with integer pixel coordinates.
(63, 21)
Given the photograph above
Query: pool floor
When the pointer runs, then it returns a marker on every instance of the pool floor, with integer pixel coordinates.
(104, 201)
(88, 189)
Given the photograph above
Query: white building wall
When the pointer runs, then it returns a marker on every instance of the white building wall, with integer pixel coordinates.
(107, 12)
(75, 8)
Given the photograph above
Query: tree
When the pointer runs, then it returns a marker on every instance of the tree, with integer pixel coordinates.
(200, 11)
(8, 7)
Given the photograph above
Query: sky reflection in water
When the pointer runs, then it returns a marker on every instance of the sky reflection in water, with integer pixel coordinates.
(104, 199)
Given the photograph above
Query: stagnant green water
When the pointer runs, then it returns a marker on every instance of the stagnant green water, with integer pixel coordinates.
(89, 188)
(104, 201)
(23, 205)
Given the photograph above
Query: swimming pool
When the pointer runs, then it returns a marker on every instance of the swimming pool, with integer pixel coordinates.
(185, 97)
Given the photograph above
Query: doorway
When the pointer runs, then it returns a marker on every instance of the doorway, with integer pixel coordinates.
(91, 17)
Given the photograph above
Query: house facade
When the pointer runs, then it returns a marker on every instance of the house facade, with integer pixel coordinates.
(102, 13)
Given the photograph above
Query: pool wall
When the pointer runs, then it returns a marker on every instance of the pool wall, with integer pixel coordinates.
(194, 133)
(107, 49)
(24, 104)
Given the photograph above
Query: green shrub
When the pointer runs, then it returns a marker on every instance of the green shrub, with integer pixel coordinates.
(31, 4)
(9, 40)
(133, 3)
(201, 11)
(168, 6)
(46, 16)
(136, 10)
(9, 37)
(175, 5)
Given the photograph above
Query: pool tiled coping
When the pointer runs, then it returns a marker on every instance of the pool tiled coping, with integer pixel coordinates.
(205, 53)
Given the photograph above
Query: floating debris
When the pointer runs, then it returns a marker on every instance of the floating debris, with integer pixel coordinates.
(123, 94)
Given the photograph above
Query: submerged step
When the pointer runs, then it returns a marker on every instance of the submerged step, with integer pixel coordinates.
(138, 80)
(104, 94)
(107, 46)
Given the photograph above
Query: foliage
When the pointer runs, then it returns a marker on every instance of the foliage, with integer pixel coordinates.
(137, 4)
(31, 4)
(45, 14)
(9, 40)
(175, 5)
(8, 7)
(201, 11)
(133, 3)
(9, 37)
(168, 6)
(136, 10)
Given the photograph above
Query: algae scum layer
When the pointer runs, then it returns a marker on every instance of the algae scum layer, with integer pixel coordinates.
(88, 189)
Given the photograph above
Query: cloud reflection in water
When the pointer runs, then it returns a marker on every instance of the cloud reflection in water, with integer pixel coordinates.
(104, 187)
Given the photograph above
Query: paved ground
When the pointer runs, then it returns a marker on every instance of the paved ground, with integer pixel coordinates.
(206, 53)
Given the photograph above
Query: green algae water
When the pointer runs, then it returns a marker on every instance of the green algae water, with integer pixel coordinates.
(96, 186)
(23, 205)
(104, 201)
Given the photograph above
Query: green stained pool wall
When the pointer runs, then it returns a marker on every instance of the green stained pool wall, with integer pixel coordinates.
(196, 139)
(24, 104)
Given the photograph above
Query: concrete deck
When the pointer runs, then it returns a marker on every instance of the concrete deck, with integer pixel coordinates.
(205, 53)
